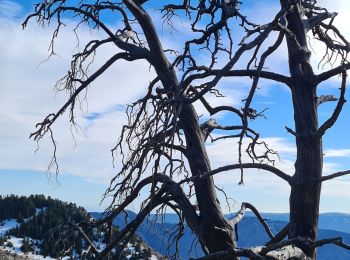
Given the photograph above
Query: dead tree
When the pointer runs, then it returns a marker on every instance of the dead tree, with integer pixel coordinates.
(164, 136)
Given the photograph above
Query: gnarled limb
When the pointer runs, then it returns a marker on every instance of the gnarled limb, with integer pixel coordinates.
(315, 20)
(240, 215)
(265, 167)
(238, 73)
(330, 122)
(332, 72)
(279, 236)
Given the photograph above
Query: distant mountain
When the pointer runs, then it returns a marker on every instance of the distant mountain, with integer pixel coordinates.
(335, 221)
(332, 221)
(157, 235)
(250, 233)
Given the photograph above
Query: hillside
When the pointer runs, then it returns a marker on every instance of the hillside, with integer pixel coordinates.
(39, 227)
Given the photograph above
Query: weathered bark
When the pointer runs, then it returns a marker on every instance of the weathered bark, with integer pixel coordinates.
(216, 233)
(305, 186)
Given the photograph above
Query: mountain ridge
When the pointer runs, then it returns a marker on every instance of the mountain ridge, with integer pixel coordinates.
(250, 233)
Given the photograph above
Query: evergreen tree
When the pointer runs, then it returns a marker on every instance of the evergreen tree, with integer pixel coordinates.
(27, 245)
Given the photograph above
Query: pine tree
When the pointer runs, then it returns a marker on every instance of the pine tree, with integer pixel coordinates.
(26, 246)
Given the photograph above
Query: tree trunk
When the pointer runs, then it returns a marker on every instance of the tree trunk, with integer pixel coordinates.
(217, 234)
(305, 187)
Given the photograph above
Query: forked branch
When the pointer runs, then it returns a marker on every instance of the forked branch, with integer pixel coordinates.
(241, 213)
(330, 122)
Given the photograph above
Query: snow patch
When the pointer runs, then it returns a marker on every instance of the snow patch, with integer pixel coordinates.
(38, 211)
(8, 224)
(16, 249)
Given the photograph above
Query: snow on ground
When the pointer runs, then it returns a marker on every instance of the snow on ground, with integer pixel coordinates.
(38, 211)
(16, 249)
(7, 225)
(17, 243)
(100, 245)
(14, 244)
(131, 248)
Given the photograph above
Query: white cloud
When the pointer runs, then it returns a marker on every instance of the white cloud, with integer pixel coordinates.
(9, 9)
(262, 182)
(337, 188)
(27, 95)
(337, 153)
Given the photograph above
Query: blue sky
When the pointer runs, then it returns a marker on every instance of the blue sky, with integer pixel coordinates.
(27, 95)
(66, 187)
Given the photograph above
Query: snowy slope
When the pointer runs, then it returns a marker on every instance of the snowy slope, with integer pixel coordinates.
(6, 225)
(13, 244)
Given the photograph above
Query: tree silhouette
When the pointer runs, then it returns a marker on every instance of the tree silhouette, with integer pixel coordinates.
(164, 138)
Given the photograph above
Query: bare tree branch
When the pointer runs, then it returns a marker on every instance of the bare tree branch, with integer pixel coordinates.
(330, 122)
(87, 239)
(239, 73)
(279, 236)
(241, 213)
(259, 166)
(318, 18)
(46, 124)
(331, 73)
(334, 175)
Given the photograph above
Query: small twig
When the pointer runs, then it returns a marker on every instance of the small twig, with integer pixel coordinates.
(289, 130)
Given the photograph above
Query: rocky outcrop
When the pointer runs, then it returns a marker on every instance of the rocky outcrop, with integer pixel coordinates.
(4, 255)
